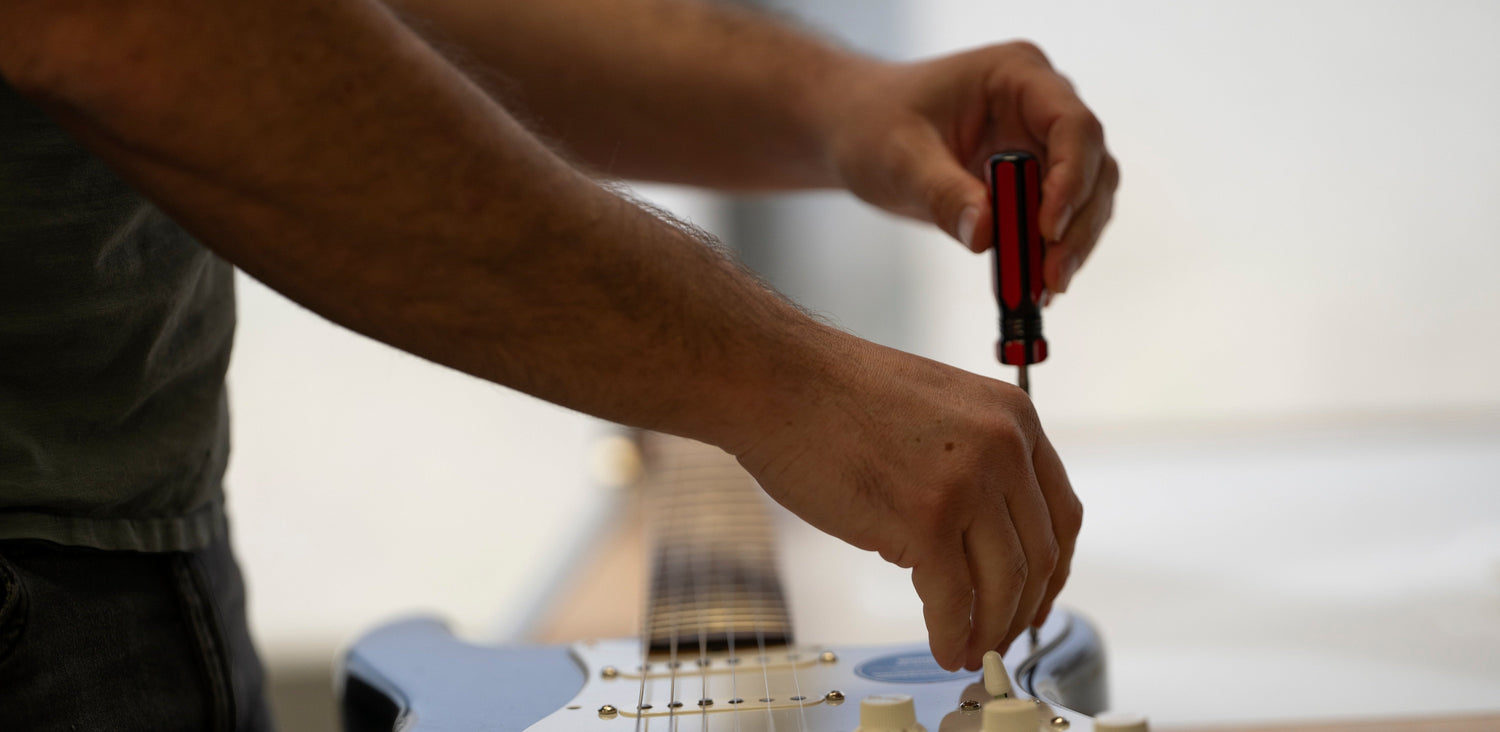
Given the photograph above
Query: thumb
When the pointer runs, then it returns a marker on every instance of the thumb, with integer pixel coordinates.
(952, 197)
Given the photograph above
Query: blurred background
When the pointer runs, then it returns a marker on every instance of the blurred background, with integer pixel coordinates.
(1275, 383)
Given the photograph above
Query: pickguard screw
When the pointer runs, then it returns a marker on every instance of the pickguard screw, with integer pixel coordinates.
(609, 672)
(969, 705)
(1059, 724)
(827, 657)
(608, 711)
(834, 697)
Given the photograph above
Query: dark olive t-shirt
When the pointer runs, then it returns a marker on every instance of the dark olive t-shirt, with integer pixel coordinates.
(115, 331)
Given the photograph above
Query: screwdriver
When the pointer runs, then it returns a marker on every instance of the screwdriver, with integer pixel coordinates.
(1015, 199)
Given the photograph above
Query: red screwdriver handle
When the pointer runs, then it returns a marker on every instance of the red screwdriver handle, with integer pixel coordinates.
(1015, 199)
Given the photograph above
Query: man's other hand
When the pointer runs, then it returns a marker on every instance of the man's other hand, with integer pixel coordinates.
(913, 139)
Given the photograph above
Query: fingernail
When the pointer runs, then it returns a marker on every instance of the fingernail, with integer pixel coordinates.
(966, 223)
(1065, 275)
(1062, 222)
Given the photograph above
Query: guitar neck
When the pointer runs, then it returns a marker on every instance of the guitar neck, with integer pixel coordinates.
(714, 581)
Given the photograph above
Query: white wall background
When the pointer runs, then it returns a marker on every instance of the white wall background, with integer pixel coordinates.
(1306, 235)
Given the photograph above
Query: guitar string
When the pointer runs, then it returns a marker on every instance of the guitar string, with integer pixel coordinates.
(653, 567)
(673, 577)
(699, 606)
(734, 664)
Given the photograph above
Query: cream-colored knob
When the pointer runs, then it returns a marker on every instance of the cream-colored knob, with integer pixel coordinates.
(1010, 715)
(996, 679)
(1120, 722)
(888, 713)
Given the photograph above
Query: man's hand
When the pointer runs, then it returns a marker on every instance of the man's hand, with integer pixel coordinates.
(913, 140)
(939, 470)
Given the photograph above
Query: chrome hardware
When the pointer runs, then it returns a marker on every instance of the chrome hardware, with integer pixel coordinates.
(1059, 723)
(834, 697)
(969, 705)
(609, 672)
(827, 657)
(608, 711)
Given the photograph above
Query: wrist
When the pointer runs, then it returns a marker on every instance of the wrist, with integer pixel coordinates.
(837, 100)
(806, 367)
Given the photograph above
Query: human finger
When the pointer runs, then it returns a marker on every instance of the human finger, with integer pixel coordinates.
(1074, 139)
(952, 197)
(1033, 525)
(942, 582)
(1065, 257)
(1066, 513)
(999, 569)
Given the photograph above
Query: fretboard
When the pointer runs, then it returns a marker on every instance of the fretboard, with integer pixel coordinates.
(714, 584)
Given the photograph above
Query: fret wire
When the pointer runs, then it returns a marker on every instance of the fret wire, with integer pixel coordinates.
(693, 496)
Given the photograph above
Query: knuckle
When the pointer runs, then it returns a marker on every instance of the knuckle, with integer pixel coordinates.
(1051, 555)
(1028, 49)
(1092, 127)
(1072, 518)
(1111, 172)
(944, 196)
(1016, 570)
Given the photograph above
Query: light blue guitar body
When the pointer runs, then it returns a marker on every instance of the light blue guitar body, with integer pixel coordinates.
(414, 676)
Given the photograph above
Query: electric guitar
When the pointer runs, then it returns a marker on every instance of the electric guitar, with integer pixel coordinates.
(717, 651)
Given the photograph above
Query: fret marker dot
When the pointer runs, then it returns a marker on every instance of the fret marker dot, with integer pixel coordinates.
(675, 704)
(768, 701)
(644, 707)
(736, 700)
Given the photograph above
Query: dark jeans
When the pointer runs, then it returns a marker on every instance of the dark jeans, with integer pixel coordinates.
(95, 640)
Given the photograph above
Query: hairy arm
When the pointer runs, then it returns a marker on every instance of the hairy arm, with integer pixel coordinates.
(328, 151)
(708, 93)
(675, 90)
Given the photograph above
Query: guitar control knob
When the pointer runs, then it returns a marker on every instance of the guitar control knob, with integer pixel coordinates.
(888, 713)
(996, 679)
(1010, 715)
(1120, 722)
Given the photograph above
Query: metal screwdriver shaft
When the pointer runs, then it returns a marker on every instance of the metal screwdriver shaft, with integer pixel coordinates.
(1015, 200)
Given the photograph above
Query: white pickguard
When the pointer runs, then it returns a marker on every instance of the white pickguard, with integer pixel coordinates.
(769, 692)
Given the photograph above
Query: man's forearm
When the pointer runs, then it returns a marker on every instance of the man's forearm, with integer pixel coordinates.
(689, 91)
(374, 184)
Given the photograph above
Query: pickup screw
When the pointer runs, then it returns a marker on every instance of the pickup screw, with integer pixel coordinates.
(834, 697)
(608, 711)
(969, 705)
(609, 672)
